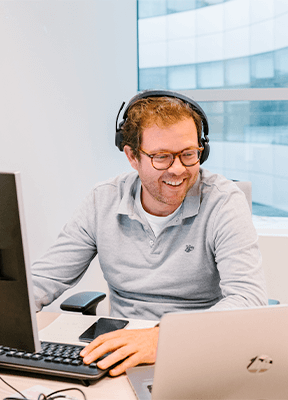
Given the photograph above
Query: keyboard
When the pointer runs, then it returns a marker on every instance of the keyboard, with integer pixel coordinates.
(54, 359)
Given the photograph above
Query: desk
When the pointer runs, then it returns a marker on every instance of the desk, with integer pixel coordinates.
(117, 388)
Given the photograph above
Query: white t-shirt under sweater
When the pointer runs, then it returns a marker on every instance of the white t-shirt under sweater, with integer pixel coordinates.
(156, 223)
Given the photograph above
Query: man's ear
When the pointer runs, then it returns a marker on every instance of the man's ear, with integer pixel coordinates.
(134, 162)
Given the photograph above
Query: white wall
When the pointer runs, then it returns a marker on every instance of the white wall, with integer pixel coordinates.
(66, 67)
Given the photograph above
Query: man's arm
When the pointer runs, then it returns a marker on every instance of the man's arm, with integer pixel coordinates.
(66, 261)
(237, 256)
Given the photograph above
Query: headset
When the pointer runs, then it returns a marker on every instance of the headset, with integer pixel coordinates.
(165, 93)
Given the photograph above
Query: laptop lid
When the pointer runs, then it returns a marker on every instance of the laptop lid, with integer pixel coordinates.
(17, 306)
(233, 354)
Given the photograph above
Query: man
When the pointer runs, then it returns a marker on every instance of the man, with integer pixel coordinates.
(170, 236)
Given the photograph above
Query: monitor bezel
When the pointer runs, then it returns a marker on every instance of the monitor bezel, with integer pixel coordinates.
(25, 330)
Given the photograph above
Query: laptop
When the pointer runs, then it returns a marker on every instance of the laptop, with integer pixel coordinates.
(233, 354)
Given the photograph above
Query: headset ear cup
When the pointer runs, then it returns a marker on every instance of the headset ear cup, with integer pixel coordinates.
(206, 151)
(119, 136)
(119, 139)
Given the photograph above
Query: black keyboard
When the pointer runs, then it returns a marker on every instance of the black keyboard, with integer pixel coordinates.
(54, 359)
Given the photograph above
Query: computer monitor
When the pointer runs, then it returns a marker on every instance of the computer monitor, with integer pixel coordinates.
(18, 327)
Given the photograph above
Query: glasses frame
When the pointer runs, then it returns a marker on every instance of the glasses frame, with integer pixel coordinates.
(174, 155)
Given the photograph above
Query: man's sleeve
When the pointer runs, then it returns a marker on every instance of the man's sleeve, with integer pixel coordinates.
(237, 255)
(66, 261)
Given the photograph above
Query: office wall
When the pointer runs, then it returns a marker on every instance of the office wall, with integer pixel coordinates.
(65, 67)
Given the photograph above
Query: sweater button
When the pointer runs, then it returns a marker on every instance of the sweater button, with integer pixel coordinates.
(151, 243)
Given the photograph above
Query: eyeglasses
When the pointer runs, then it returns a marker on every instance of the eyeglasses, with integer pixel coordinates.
(163, 160)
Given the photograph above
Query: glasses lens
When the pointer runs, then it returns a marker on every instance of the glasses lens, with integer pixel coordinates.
(162, 160)
(190, 157)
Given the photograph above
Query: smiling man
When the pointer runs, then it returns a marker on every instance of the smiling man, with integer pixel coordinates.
(170, 236)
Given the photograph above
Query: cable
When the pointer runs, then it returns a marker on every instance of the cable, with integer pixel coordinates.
(15, 390)
(50, 396)
(14, 398)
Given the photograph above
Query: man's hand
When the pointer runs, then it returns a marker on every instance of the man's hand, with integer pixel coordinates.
(133, 346)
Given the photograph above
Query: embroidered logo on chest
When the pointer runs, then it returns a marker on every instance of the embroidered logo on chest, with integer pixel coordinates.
(189, 248)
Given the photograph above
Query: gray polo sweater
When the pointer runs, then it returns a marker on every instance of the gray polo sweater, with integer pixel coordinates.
(206, 256)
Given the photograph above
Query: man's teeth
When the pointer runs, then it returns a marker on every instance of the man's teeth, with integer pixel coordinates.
(173, 183)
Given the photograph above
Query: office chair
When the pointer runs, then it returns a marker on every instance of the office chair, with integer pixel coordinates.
(87, 302)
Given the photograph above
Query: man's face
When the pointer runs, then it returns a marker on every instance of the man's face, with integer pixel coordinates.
(164, 191)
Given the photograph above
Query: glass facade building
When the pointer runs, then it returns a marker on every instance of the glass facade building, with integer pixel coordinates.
(232, 57)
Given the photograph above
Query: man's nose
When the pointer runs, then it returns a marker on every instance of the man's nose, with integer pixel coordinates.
(177, 167)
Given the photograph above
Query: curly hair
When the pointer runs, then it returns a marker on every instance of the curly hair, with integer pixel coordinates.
(161, 111)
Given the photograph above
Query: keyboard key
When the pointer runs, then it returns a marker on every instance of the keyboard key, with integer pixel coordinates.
(49, 359)
(19, 354)
(76, 362)
(58, 360)
(66, 361)
(37, 357)
(10, 353)
(27, 355)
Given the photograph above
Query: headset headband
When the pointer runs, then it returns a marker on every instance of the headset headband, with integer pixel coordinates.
(164, 93)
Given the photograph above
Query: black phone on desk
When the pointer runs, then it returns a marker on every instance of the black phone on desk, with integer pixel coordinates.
(103, 325)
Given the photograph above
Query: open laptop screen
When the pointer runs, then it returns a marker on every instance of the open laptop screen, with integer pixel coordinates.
(17, 311)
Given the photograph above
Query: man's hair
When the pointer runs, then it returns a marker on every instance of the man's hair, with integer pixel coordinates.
(161, 111)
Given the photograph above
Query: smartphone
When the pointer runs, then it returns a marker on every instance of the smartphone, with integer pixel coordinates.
(103, 325)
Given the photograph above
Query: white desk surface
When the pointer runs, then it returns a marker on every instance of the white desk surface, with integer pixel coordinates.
(54, 326)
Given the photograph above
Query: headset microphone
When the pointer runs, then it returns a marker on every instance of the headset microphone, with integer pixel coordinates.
(119, 134)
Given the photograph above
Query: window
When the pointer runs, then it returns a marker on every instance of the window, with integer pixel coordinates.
(232, 57)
